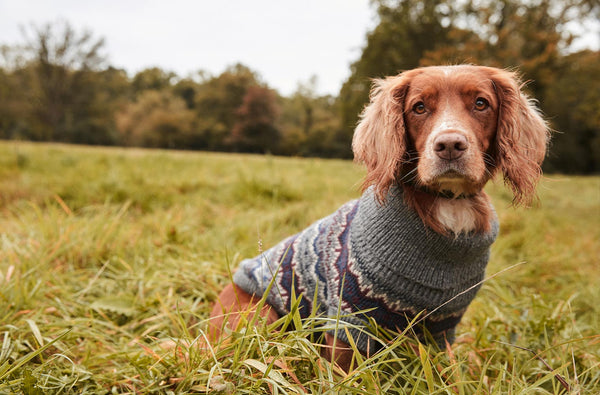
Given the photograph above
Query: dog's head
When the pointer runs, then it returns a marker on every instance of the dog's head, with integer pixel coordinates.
(451, 128)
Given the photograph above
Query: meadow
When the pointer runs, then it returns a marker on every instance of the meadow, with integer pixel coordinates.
(108, 254)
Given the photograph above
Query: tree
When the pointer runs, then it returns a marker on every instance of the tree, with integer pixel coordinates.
(152, 78)
(62, 62)
(187, 89)
(156, 119)
(216, 103)
(254, 129)
(298, 117)
(310, 125)
(573, 105)
(97, 124)
(13, 105)
(325, 138)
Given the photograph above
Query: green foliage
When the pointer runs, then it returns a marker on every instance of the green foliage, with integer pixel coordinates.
(217, 101)
(107, 256)
(310, 124)
(575, 101)
(156, 119)
(152, 79)
(62, 72)
(254, 130)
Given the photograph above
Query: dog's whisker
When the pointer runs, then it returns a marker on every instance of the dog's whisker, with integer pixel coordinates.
(410, 176)
(488, 159)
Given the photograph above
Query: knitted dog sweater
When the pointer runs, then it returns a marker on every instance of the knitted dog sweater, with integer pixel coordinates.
(373, 260)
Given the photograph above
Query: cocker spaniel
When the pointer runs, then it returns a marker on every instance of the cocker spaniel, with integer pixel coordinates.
(417, 241)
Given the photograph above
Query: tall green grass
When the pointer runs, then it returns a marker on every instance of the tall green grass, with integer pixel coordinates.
(106, 254)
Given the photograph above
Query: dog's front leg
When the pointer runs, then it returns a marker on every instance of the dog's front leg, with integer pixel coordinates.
(337, 351)
(231, 303)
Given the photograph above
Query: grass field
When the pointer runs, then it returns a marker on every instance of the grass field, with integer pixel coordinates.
(105, 254)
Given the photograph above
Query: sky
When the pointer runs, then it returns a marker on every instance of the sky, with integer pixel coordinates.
(285, 42)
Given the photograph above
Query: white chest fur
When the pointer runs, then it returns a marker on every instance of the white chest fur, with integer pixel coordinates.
(458, 215)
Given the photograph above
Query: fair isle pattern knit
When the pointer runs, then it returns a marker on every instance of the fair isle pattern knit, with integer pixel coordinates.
(389, 263)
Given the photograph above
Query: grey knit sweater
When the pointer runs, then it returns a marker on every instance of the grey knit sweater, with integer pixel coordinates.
(391, 266)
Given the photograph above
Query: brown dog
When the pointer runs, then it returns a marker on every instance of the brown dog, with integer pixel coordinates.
(418, 239)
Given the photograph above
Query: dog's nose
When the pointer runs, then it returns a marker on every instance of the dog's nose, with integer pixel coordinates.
(450, 146)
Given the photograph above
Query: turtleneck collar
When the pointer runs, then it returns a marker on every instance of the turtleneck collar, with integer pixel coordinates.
(394, 250)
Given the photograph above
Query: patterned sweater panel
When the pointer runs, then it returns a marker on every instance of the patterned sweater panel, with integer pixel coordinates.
(300, 264)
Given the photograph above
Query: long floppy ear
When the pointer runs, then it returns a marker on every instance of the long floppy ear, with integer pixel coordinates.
(521, 138)
(379, 138)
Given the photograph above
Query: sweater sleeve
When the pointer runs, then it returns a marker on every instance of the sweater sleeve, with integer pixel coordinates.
(296, 265)
(354, 326)
(263, 274)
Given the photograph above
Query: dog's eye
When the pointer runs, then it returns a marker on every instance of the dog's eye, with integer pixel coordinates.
(419, 108)
(481, 104)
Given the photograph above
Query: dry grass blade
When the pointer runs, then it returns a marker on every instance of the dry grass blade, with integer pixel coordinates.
(560, 378)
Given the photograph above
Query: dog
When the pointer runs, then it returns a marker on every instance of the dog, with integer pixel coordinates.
(417, 242)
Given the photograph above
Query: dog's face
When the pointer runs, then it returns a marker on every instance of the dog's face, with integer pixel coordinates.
(450, 120)
(451, 128)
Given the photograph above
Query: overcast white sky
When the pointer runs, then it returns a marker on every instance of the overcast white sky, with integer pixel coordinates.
(285, 41)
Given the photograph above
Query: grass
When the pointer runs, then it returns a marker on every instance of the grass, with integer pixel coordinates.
(105, 254)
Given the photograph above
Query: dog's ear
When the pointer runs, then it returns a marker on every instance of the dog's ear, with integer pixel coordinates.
(380, 138)
(521, 138)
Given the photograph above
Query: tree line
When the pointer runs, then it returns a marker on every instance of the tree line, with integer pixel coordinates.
(58, 86)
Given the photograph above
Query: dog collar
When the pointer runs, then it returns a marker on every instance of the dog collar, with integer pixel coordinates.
(444, 194)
